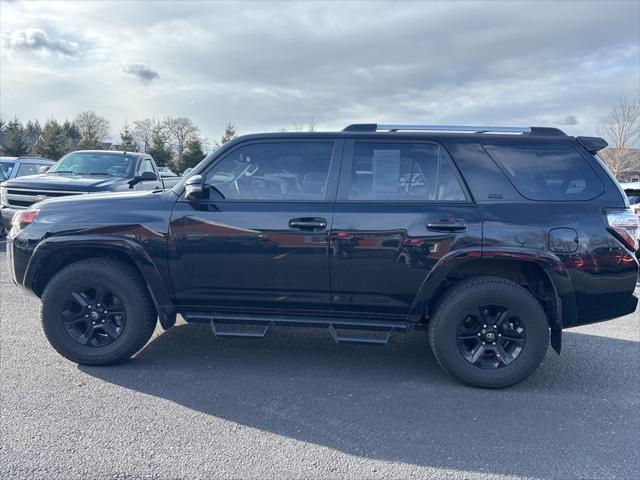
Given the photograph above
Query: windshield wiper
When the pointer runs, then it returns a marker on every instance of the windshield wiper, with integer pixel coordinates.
(62, 171)
(96, 173)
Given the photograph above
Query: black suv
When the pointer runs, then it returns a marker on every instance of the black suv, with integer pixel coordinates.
(495, 238)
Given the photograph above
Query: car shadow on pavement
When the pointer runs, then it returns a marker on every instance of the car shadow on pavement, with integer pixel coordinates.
(395, 403)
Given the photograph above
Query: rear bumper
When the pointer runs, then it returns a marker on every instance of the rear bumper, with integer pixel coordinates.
(620, 308)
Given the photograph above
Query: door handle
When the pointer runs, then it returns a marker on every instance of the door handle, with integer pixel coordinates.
(312, 224)
(447, 225)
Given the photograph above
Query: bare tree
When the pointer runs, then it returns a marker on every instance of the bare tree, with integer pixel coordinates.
(621, 129)
(142, 132)
(302, 126)
(180, 130)
(93, 128)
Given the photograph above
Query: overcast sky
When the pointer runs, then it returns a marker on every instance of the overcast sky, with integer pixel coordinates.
(266, 65)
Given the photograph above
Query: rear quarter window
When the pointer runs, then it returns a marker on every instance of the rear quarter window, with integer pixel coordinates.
(547, 172)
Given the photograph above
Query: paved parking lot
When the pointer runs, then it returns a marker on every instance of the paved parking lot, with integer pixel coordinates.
(297, 405)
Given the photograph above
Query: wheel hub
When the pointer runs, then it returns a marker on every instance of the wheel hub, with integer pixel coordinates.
(93, 316)
(490, 337)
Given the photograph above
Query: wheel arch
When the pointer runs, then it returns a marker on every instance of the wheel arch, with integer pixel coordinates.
(540, 272)
(55, 253)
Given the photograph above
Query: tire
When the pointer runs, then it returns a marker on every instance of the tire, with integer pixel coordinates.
(510, 352)
(125, 321)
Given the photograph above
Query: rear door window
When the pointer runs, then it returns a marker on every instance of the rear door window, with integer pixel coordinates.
(402, 172)
(547, 172)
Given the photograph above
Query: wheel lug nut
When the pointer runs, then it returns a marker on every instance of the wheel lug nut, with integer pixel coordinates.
(479, 334)
(484, 326)
(493, 343)
(495, 326)
(499, 334)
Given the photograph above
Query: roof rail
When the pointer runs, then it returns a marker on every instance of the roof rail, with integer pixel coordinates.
(374, 127)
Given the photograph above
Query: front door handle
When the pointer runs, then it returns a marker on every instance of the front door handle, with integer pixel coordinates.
(447, 225)
(312, 224)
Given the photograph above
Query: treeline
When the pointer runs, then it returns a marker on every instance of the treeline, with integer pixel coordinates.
(174, 141)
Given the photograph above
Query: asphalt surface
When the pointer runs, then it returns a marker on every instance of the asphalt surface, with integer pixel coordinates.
(297, 405)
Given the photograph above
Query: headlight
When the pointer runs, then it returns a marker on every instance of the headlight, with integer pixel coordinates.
(3, 196)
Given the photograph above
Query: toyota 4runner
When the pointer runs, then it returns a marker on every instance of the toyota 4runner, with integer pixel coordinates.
(493, 238)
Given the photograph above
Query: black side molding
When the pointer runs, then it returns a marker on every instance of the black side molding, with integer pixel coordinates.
(592, 144)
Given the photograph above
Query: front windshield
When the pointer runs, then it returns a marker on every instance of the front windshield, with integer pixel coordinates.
(94, 163)
(5, 170)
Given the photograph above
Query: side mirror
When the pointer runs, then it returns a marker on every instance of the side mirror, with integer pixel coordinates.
(43, 169)
(193, 188)
(143, 177)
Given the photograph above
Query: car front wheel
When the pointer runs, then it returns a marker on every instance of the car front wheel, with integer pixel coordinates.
(97, 312)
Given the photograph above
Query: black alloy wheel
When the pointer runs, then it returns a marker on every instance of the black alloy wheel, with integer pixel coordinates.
(93, 316)
(491, 337)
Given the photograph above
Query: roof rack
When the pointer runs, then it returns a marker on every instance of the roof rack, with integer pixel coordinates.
(375, 127)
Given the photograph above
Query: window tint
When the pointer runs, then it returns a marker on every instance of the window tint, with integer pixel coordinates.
(146, 166)
(273, 171)
(27, 169)
(402, 171)
(547, 172)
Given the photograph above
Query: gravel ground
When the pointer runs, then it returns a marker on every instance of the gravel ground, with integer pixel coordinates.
(297, 405)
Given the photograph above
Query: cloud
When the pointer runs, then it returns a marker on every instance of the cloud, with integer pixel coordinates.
(267, 65)
(37, 40)
(569, 120)
(142, 71)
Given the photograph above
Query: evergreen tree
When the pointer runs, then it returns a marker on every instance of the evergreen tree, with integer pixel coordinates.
(193, 153)
(127, 141)
(15, 142)
(54, 141)
(159, 147)
(71, 130)
(33, 128)
(230, 132)
(89, 142)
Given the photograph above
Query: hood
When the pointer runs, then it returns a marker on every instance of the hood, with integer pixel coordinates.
(50, 181)
(107, 199)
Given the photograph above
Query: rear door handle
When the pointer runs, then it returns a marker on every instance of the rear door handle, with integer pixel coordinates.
(312, 224)
(447, 225)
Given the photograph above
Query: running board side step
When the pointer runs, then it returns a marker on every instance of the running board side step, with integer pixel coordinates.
(257, 326)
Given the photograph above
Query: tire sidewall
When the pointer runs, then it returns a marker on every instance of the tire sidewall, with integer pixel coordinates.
(520, 303)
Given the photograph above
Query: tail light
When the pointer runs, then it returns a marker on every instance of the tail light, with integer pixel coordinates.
(624, 225)
(24, 218)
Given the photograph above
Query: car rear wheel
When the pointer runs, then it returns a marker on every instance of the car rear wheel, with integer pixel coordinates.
(97, 312)
(489, 332)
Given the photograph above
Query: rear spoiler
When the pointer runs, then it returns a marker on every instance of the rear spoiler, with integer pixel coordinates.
(592, 144)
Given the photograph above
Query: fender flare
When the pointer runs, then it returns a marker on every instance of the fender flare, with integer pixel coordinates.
(550, 264)
(130, 248)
